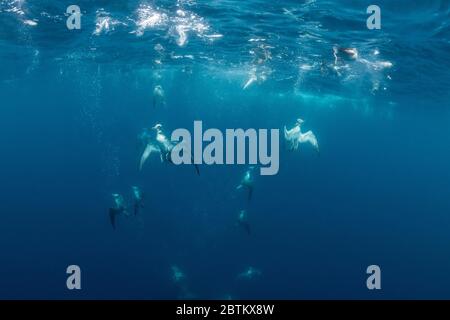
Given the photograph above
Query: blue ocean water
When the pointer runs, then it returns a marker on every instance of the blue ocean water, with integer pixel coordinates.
(73, 103)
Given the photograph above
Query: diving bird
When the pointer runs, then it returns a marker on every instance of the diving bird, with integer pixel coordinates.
(253, 77)
(160, 144)
(138, 199)
(243, 221)
(256, 76)
(158, 96)
(247, 182)
(118, 207)
(295, 136)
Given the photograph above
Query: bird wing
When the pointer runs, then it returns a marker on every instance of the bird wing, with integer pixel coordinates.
(186, 148)
(252, 79)
(309, 137)
(292, 134)
(148, 150)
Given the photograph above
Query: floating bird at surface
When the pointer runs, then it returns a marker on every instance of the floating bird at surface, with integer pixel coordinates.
(247, 182)
(177, 274)
(351, 53)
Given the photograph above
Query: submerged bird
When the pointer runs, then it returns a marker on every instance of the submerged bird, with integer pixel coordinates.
(177, 274)
(158, 96)
(138, 199)
(295, 136)
(247, 182)
(250, 273)
(252, 78)
(160, 144)
(118, 207)
(243, 221)
(256, 76)
(351, 53)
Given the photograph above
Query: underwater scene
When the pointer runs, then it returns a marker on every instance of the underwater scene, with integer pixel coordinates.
(225, 149)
